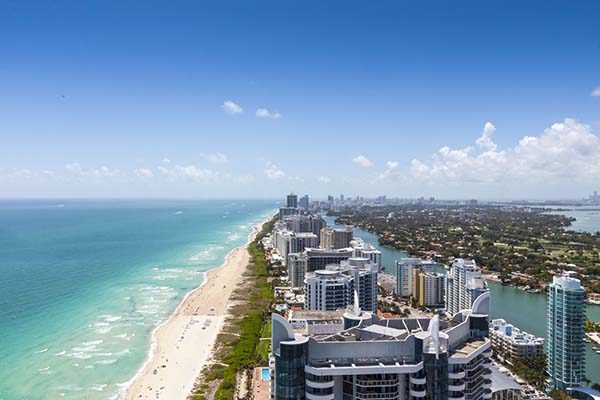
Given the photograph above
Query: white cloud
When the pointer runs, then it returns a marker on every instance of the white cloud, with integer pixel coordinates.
(596, 92)
(231, 108)
(265, 113)
(101, 172)
(192, 173)
(143, 172)
(324, 179)
(565, 152)
(166, 161)
(391, 172)
(272, 171)
(216, 158)
(362, 161)
(485, 140)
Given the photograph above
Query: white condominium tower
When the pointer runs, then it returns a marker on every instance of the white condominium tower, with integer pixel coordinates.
(334, 287)
(464, 284)
(404, 275)
(565, 349)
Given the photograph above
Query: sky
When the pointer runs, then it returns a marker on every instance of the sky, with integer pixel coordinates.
(469, 99)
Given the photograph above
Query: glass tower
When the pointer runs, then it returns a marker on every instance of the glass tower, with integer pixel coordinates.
(565, 328)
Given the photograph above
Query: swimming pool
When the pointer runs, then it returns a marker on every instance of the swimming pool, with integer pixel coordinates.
(265, 374)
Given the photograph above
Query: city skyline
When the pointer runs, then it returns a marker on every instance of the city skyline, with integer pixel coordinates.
(488, 101)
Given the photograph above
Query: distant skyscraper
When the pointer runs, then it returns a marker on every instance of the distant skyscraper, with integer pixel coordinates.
(292, 200)
(330, 199)
(303, 202)
(464, 283)
(565, 349)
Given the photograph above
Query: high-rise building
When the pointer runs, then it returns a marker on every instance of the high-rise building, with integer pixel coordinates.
(332, 238)
(287, 242)
(330, 199)
(565, 349)
(306, 223)
(320, 258)
(405, 274)
(286, 212)
(303, 202)
(296, 269)
(292, 200)
(464, 283)
(328, 290)
(373, 358)
(366, 250)
(428, 288)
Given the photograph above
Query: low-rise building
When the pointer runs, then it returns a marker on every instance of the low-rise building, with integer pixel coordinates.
(510, 343)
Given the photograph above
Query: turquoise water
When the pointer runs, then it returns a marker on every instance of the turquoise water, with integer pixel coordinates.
(518, 307)
(265, 374)
(84, 283)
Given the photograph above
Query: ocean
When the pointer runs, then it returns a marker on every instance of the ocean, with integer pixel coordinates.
(84, 283)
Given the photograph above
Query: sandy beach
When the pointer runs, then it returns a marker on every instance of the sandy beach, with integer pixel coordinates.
(183, 344)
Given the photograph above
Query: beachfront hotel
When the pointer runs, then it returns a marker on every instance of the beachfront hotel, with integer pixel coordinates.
(335, 286)
(565, 348)
(464, 284)
(373, 358)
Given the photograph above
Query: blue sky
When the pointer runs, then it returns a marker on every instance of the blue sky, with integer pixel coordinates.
(127, 99)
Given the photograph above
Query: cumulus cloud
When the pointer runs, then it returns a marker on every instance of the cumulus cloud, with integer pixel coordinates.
(272, 171)
(101, 172)
(323, 179)
(362, 161)
(485, 140)
(596, 92)
(231, 108)
(391, 171)
(216, 158)
(265, 113)
(166, 161)
(567, 150)
(143, 172)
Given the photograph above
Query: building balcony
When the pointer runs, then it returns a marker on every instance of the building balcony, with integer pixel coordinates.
(320, 385)
(462, 397)
(488, 353)
(456, 388)
(311, 396)
(456, 375)
(417, 381)
(417, 393)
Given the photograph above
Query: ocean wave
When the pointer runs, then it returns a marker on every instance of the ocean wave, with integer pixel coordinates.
(42, 350)
(114, 318)
(93, 342)
(99, 387)
(234, 236)
(107, 362)
(62, 353)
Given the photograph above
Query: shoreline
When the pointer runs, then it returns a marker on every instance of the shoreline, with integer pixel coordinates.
(182, 345)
